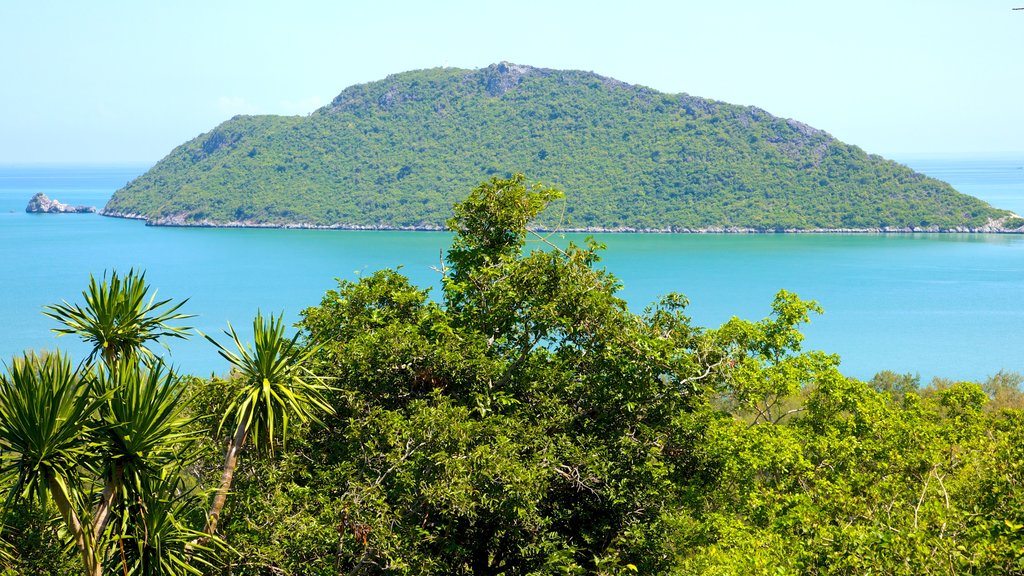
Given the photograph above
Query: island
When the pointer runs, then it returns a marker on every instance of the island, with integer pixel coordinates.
(43, 204)
(400, 152)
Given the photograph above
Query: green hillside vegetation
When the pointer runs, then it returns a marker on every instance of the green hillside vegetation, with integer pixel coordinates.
(525, 422)
(397, 153)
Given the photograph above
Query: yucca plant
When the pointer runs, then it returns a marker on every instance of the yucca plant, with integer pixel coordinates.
(47, 430)
(141, 422)
(155, 538)
(101, 441)
(276, 387)
(118, 321)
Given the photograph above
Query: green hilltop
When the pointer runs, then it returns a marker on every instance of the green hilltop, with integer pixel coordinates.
(398, 153)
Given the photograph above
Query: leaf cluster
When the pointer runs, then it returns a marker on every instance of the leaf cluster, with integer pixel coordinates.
(103, 444)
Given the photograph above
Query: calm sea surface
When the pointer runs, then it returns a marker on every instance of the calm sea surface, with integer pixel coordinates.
(939, 305)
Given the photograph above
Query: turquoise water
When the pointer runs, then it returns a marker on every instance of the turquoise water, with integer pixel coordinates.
(938, 305)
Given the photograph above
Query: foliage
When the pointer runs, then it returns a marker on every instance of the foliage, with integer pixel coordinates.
(275, 382)
(528, 423)
(36, 547)
(864, 483)
(117, 319)
(397, 154)
(274, 386)
(524, 422)
(103, 443)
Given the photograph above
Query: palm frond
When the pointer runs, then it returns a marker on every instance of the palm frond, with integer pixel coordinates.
(46, 419)
(277, 385)
(117, 320)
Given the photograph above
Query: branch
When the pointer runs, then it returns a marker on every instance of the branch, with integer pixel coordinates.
(710, 368)
(788, 412)
(523, 354)
(573, 476)
(545, 240)
(924, 490)
(443, 270)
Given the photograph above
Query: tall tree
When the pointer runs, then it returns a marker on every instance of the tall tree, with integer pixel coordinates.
(275, 387)
(529, 424)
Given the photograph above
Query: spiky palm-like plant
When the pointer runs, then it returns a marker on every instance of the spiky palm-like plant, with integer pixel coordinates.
(276, 387)
(118, 321)
(47, 424)
(155, 540)
(141, 422)
(91, 441)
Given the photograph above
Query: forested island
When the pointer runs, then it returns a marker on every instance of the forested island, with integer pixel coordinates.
(525, 422)
(397, 153)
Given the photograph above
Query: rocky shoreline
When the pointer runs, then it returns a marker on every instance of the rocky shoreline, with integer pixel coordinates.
(993, 227)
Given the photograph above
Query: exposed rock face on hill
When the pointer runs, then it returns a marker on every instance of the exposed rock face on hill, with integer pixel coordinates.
(41, 203)
(398, 153)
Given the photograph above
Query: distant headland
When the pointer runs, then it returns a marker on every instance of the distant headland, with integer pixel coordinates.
(398, 153)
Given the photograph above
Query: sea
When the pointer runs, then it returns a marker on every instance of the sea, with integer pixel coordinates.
(934, 305)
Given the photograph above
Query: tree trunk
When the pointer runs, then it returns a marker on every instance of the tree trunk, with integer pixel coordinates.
(83, 541)
(230, 462)
(106, 506)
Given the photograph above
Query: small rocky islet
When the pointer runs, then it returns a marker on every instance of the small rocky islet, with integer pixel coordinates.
(43, 204)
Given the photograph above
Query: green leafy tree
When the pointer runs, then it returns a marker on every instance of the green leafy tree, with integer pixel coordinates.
(898, 385)
(767, 369)
(1004, 390)
(528, 425)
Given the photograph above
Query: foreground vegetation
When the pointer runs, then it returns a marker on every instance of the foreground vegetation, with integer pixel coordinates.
(526, 422)
(396, 153)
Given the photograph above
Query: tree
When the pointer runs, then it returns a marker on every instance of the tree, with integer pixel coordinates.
(766, 365)
(527, 424)
(97, 440)
(1004, 390)
(275, 387)
(898, 385)
(117, 319)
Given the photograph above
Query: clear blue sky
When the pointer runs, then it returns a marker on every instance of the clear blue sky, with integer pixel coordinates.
(126, 81)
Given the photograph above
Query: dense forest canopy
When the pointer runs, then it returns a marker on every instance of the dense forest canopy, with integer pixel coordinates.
(524, 422)
(397, 153)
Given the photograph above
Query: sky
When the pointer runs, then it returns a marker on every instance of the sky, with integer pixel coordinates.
(114, 81)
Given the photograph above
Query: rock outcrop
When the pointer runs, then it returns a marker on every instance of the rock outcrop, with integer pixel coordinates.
(42, 204)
